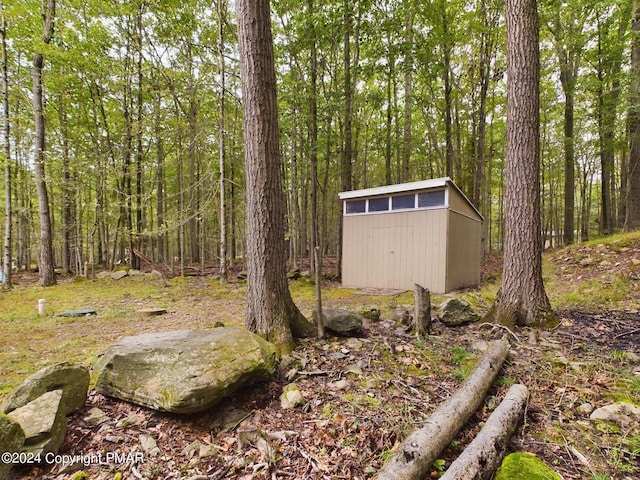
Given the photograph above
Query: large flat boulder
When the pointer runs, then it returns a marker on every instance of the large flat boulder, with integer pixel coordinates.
(184, 371)
(44, 422)
(71, 378)
(11, 440)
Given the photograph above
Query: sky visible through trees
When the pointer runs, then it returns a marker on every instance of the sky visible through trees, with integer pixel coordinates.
(369, 93)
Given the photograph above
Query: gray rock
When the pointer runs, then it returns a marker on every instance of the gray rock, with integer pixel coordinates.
(623, 414)
(341, 321)
(291, 397)
(585, 408)
(95, 417)
(149, 445)
(71, 378)
(184, 371)
(118, 274)
(11, 441)
(44, 422)
(455, 312)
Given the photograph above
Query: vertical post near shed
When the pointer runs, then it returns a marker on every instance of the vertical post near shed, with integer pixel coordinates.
(422, 311)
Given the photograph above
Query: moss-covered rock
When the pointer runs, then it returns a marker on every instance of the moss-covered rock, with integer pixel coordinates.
(525, 466)
(185, 371)
(11, 440)
(71, 378)
(44, 422)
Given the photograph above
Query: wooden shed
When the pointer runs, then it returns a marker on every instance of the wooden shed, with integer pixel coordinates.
(424, 232)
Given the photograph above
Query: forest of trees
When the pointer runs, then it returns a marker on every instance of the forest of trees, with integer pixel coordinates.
(123, 121)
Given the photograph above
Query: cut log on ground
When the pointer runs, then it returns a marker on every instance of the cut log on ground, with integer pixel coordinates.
(483, 455)
(414, 456)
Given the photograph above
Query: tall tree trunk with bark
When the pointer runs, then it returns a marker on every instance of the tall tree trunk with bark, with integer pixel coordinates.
(135, 260)
(68, 196)
(222, 12)
(632, 219)
(346, 168)
(608, 72)
(271, 312)
(316, 253)
(408, 95)
(6, 262)
(47, 262)
(522, 299)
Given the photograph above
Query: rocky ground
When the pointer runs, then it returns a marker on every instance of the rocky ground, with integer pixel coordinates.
(362, 396)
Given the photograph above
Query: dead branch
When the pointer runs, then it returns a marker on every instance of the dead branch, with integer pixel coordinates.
(495, 326)
(414, 456)
(483, 455)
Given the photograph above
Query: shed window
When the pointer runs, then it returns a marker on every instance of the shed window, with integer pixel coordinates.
(402, 202)
(431, 199)
(356, 206)
(379, 204)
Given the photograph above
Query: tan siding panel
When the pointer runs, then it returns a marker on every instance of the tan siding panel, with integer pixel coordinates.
(464, 252)
(458, 203)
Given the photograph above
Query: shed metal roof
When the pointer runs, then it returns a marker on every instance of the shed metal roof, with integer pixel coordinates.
(397, 188)
(406, 187)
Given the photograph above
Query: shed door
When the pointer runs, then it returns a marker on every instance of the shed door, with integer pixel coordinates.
(391, 253)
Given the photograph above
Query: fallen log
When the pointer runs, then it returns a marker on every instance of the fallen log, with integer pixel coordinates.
(483, 455)
(414, 456)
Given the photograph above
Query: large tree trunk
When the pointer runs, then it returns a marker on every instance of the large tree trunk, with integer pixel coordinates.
(270, 309)
(522, 299)
(47, 263)
(414, 456)
(632, 220)
(483, 455)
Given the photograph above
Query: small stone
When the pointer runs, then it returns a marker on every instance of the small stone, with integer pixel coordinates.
(623, 414)
(291, 396)
(190, 449)
(339, 385)
(114, 438)
(95, 417)
(355, 369)
(585, 408)
(149, 445)
(133, 419)
(206, 450)
(354, 343)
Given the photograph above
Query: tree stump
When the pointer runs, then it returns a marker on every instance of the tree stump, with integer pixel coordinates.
(422, 313)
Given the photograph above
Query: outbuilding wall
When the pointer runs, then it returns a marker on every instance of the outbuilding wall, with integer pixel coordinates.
(436, 247)
(395, 250)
